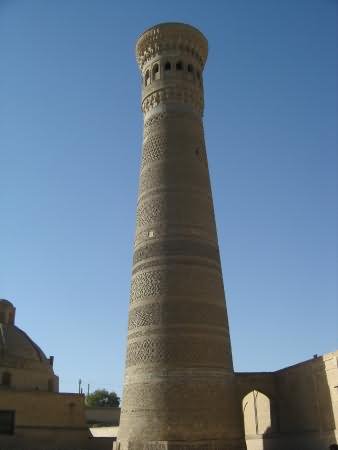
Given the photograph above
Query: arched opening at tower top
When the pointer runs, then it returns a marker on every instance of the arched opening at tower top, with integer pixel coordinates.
(156, 72)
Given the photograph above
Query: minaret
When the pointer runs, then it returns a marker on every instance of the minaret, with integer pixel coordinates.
(179, 390)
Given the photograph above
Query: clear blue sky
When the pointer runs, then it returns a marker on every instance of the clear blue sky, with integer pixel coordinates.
(70, 143)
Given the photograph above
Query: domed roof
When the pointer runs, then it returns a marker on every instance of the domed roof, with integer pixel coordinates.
(23, 365)
(16, 344)
(16, 348)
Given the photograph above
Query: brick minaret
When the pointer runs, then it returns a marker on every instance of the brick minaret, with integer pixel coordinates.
(179, 391)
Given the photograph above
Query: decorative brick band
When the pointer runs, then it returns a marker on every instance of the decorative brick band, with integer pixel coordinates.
(177, 313)
(185, 351)
(197, 283)
(177, 247)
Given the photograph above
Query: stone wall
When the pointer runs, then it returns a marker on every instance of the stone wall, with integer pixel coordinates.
(295, 408)
(103, 415)
(32, 376)
(46, 420)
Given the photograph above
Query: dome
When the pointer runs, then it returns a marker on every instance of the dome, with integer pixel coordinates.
(15, 343)
(23, 365)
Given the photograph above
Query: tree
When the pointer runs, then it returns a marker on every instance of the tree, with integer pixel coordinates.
(103, 398)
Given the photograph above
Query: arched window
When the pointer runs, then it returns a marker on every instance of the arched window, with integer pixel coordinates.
(147, 78)
(6, 379)
(190, 68)
(257, 413)
(179, 65)
(156, 72)
(167, 66)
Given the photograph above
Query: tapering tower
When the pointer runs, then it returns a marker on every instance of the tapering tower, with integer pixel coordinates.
(179, 391)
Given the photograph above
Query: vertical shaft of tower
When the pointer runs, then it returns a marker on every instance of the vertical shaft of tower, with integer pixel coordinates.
(179, 391)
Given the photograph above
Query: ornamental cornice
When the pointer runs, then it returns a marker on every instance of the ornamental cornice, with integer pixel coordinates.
(173, 95)
(171, 37)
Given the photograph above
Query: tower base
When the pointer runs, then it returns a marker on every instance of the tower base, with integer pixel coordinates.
(237, 444)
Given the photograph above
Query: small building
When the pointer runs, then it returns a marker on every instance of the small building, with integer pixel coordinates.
(33, 414)
(23, 365)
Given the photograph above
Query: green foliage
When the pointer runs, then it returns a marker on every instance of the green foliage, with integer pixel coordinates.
(101, 397)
